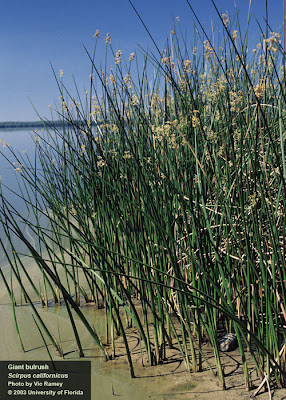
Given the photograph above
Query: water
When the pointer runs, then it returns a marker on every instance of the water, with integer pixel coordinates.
(17, 146)
(22, 143)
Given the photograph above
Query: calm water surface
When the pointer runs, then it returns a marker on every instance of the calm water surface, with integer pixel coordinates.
(21, 143)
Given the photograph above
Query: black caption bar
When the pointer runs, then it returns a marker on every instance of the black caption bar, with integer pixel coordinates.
(45, 380)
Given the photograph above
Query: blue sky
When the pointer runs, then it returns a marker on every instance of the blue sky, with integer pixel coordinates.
(34, 34)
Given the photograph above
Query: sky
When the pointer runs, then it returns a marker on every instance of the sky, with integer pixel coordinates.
(38, 35)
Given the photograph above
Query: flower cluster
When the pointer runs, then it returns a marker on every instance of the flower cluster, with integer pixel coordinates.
(195, 119)
(225, 19)
(234, 35)
(208, 49)
(96, 34)
(108, 39)
(112, 79)
(187, 66)
(273, 41)
(260, 89)
(118, 56)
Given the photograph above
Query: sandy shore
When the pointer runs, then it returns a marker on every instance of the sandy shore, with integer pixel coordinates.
(110, 379)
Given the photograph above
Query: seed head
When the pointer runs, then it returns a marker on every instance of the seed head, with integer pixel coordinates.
(118, 56)
(112, 79)
(208, 49)
(96, 34)
(164, 60)
(260, 89)
(234, 35)
(195, 119)
(108, 39)
(225, 19)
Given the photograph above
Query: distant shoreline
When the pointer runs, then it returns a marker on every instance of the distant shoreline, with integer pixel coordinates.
(27, 124)
(36, 124)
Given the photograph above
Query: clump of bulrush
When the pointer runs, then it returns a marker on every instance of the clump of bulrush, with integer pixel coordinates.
(168, 193)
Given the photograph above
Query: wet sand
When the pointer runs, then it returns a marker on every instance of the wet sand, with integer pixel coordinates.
(111, 379)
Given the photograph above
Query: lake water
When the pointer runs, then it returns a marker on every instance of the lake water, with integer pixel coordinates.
(21, 143)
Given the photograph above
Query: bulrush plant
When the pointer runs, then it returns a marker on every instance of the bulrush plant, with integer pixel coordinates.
(164, 201)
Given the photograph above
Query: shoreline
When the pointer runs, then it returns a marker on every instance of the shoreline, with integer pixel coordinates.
(168, 380)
